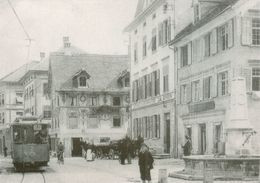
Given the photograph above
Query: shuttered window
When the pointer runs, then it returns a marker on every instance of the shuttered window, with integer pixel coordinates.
(184, 56)
(225, 36)
(183, 94)
(144, 47)
(207, 82)
(256, 79)
(207, 45)
(154, 40)
(195, 91)
(135, 52)
(165, 78)
(157, 82)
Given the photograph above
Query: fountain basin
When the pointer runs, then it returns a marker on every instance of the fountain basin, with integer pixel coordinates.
(221, 167)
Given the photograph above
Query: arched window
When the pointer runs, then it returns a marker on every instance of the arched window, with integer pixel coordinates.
(82, 81)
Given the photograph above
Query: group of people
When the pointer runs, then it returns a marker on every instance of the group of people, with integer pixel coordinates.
(128, 149)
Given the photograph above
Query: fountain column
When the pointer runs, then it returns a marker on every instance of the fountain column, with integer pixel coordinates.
(238, 128)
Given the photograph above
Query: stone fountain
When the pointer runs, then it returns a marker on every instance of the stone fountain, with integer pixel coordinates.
(238, 162)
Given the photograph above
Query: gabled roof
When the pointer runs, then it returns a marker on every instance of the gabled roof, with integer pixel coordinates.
(16, 75)
(221, 7)
(103, 69)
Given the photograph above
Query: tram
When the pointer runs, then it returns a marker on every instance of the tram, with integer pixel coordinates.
(29, 142)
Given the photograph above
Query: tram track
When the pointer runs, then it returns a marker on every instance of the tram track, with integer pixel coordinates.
(24, 175)
(22, 178)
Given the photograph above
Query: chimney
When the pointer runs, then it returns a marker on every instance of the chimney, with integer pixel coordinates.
(66, 42)
(42, 55)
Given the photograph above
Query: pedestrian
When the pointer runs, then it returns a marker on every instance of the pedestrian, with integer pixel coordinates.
(60, 151)
(89, 154)
(187, 146)
(145, 163)
(129, 149)
(5, 151)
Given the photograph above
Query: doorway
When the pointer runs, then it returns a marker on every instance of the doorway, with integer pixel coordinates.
(202, 139)
(76, 147)
(167, 137)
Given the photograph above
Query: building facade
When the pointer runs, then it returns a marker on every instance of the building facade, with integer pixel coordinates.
(35, 89)
(90, 99)
(152, 72)
(11, 101)
(219, 47)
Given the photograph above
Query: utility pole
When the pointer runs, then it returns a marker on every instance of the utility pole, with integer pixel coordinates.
(26, 33)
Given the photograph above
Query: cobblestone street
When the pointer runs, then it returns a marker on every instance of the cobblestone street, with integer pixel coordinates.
(77, 170)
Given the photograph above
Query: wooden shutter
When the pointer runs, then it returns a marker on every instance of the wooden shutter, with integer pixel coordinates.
(188, 99)
(213, 86)
(178, 94)
(158, 82)
(160, 33)
(213, 42)
(179, 57)
(169, 29)
(189, 53)
(230, 33)
(202, 48)
(133, 91)
(246, 24)
(247, 73)
(194, 51)
(153, 83)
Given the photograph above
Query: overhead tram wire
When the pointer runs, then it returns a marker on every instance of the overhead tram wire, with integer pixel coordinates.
(24, 30)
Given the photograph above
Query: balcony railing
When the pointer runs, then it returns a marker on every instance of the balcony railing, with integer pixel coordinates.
(153, 100)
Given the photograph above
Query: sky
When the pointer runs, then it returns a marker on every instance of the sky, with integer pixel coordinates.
(95, 26)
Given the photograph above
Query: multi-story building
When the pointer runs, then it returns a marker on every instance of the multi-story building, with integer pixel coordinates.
(152, 76)
(35, 86)
(219, 47)
(11, 100)
(90, 98)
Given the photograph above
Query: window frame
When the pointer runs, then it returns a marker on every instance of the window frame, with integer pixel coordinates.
(196, 93)
(223, 33)
(222, 81)
(255, 76)
(256, 28)
(120, 122)
(184, 56)
(80, 81)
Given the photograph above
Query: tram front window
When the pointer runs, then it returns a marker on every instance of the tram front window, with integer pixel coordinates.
(30, 134)
(41, 134)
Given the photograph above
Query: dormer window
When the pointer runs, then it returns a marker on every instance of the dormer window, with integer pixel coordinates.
(82, 81)
(196, 12)
(79, 80)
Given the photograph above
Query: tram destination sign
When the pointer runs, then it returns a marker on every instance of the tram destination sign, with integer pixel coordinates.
(37, 127)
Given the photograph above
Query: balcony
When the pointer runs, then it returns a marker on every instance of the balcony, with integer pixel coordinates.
(153, 100)
(200, 107)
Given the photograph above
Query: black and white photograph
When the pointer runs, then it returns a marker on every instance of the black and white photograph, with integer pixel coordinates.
(129, 91)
